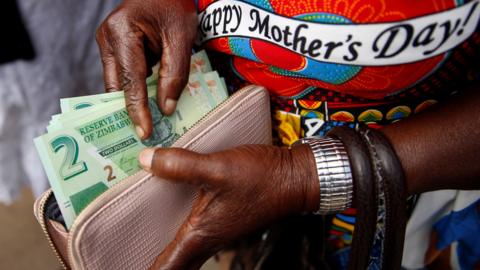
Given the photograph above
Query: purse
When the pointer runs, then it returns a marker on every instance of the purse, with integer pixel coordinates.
(131, 223)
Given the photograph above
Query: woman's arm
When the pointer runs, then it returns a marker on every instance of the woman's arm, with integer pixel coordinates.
(440, 148)
(246, 188)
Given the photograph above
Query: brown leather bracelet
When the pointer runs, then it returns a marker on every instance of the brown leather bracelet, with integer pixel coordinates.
(389, 173)
(364, 196)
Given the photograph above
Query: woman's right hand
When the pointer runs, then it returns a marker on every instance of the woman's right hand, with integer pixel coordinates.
(133, 38)
(240, 190)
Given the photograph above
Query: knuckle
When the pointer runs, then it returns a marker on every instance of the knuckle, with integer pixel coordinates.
(107, 58)
(111, 88)
(133, 90)
(127, 81)
(135, 105)
(131, 74)
(115, 20)
(220, 167)
(112, 27)
(166, 161)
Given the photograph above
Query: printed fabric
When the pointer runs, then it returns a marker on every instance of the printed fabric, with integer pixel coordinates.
(340, 63)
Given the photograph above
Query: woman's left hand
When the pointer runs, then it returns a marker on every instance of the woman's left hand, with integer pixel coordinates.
(240, 191)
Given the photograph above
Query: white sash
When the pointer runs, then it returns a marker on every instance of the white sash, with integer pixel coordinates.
(374, 44)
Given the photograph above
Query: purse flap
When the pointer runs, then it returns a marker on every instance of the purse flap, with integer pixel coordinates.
(129, 225)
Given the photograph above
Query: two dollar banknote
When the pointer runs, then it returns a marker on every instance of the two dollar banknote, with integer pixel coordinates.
(92, 144)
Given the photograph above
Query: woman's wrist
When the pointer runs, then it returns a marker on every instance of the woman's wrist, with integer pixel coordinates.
(303, 168)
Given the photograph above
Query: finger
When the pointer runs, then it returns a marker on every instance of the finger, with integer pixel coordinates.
(174, 71)
(110, 69)
(189, 250)
(177, 164)
(129, 53)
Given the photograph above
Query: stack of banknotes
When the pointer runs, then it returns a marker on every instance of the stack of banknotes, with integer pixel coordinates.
(92, 144)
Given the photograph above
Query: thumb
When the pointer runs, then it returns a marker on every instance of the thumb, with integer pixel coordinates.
(180, 165)
(173, 73)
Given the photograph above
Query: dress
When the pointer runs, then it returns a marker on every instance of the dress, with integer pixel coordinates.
(330, 63)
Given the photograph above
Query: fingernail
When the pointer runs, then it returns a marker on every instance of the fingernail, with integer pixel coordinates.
(170, 105)
(145, 158)
(140, 132)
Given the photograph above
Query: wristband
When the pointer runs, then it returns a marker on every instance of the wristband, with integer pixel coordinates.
(364, 196)
(390, 178)
(334, 174)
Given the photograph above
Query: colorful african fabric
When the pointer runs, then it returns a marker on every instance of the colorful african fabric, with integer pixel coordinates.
(309, 96)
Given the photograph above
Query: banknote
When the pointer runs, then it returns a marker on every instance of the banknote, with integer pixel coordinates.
(82, 162)
(58, 120)
(77, 103)
(92, 145)
(196, 93)
(199, 63)
(83, 158)
(198, 85)
(215, 86)
(68, 105)
(194, 102)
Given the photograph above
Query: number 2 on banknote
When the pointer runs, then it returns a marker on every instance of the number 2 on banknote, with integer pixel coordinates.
(71, 166)
(110, 177)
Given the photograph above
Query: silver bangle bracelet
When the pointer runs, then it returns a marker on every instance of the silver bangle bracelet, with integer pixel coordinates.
(334, 174)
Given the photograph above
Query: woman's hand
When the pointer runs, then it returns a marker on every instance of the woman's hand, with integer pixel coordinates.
(240, 191)
(133, 38)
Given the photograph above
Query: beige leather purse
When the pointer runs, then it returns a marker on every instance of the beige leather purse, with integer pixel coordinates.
(129, 225)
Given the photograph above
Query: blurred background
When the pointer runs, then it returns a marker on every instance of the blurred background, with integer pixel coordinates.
(47, 52)
(23, 245)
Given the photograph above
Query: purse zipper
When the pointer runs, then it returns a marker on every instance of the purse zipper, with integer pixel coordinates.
(121, 184)
(42, 203)
(216, 109)
(194, 126)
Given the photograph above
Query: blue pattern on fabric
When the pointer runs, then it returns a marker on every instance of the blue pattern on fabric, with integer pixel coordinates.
(462, 227)
(265, 4)
(241, 46)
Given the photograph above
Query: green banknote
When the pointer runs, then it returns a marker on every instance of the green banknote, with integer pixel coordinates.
(196, 93)
(71, 105)
(199, 63)
(84, 157)
(197, 86)
(77, 103)
(216, 86)
(58, 119)
(83, 161)
(92, 145)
